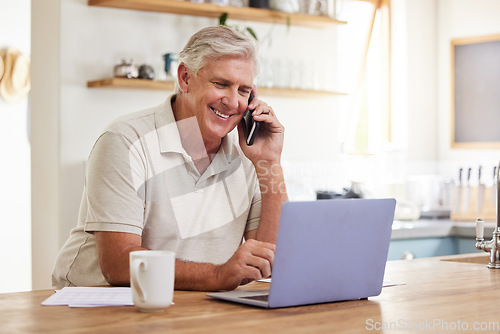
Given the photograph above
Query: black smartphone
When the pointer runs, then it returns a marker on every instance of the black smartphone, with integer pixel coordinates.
(250, 126)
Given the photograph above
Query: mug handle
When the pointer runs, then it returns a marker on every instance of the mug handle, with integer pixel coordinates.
(138, 265)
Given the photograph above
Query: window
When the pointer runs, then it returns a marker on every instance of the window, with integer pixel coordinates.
(365, 57)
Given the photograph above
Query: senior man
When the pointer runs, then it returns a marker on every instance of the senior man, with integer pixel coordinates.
(177, 177)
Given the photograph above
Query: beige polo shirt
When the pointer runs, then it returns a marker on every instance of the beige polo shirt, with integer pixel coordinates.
(139, 179)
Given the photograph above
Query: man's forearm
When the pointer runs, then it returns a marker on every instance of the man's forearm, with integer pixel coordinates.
(196, 276)
(113, 251)
(273, 193)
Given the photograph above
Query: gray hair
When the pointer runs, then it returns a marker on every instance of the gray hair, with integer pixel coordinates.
(213, 43)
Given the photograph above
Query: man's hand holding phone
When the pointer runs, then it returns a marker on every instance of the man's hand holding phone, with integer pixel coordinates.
(261, 131)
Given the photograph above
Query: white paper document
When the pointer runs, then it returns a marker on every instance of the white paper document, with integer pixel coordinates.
(91, 297)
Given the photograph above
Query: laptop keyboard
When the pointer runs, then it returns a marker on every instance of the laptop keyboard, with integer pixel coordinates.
(258, 297)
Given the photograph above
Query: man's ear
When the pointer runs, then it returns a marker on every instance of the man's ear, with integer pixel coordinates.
(183, 76)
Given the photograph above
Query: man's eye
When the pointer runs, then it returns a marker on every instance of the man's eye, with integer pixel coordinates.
(220, 84)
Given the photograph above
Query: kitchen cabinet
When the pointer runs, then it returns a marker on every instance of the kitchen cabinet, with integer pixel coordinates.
(434, 237)
(430, 247)
(424, 247)
(211, 10)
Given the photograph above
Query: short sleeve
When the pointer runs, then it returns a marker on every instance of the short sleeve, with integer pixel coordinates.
(114, 196)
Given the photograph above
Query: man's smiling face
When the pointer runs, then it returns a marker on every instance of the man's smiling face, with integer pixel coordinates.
(219, 95)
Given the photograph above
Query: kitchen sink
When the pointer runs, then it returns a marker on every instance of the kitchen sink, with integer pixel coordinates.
(479, 258)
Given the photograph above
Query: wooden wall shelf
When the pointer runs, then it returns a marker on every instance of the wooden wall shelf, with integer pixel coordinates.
(132, 84)
(211, 10)
(169, 86)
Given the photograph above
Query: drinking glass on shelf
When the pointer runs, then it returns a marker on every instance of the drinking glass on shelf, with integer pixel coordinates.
(317, 74)
(329, 77)
(283, 73)
(307, 75)
(220, 2)
(160, 74)
(266, 76)
(238, 3)
(295, 74)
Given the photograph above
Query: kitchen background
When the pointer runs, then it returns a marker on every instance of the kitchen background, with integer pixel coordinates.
(71, 43)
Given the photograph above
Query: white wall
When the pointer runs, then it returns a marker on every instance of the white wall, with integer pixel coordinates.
(15, 247)
(421, 38)
(45, 124)
(458, 19)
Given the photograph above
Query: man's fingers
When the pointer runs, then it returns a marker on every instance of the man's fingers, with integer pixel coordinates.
(264, 266)
(261, 257)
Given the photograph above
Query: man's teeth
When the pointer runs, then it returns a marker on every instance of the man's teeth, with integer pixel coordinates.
(219, 114)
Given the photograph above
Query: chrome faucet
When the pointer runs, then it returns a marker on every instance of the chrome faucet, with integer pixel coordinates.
(492, 246)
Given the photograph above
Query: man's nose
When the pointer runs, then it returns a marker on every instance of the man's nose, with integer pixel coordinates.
(231, 99)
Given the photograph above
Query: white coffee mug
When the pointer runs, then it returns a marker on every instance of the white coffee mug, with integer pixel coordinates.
(152, 275)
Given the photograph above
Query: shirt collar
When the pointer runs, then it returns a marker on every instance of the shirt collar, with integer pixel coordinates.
(166, 128)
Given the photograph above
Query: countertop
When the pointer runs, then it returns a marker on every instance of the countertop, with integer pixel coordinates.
(438, 297)
(438, 228)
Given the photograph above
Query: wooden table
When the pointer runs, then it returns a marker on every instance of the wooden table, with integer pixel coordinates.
(439, 297)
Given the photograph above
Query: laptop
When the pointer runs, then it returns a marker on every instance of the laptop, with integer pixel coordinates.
(326, 251)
